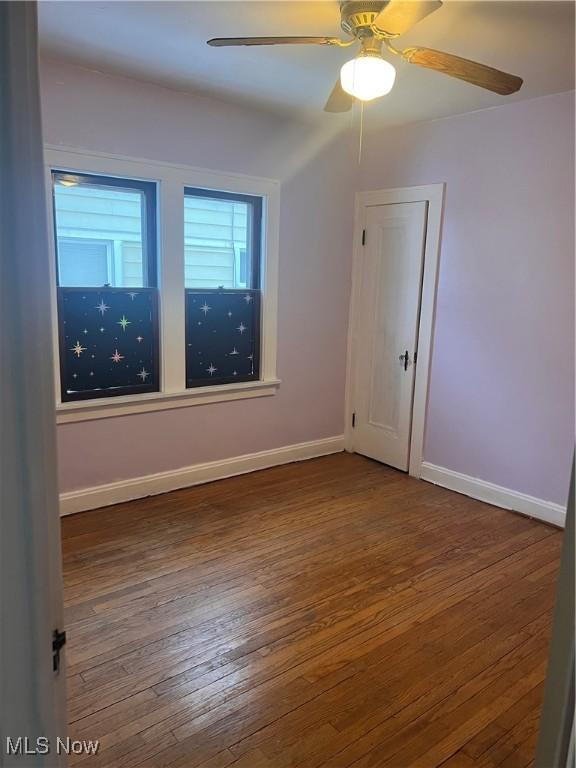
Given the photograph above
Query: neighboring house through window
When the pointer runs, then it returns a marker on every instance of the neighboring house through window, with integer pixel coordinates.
(215, 231)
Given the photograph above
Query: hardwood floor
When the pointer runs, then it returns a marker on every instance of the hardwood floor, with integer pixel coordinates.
(329, 613)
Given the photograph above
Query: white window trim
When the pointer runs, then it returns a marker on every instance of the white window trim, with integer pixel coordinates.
(172, 179)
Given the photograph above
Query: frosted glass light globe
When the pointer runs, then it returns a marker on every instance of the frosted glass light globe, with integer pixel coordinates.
(367, 77)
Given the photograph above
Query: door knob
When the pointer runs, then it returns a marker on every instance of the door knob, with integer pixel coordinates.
(405, 360)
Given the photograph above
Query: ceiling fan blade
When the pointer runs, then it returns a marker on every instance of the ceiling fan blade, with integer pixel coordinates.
(221, 42)
(339, 100)
(401, 15)
(478, 74)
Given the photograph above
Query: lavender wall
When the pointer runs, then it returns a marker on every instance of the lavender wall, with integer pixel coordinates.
(501, 399)
(501, 404)
(110, 114)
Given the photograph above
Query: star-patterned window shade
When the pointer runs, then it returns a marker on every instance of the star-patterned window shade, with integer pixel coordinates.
(222, 337)
(108, 342)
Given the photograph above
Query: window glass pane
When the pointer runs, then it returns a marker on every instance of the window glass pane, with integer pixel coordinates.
(99, 233)
(83, 262)
(132, 264)
(217, 242)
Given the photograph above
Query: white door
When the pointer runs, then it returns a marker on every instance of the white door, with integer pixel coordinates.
(386, 330)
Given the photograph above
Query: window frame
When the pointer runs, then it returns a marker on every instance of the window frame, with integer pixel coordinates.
(171, 180)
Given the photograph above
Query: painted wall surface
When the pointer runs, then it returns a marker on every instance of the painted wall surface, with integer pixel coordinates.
(84, 109)
(501, 404)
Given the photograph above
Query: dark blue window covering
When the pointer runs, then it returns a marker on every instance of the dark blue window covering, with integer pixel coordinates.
(222, 336)
(108, 342)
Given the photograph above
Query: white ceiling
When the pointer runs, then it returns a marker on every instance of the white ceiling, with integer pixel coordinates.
(165, 43)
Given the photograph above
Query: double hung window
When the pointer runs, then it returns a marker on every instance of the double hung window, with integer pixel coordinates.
(160, 289)
(106, 269)
(222, 245)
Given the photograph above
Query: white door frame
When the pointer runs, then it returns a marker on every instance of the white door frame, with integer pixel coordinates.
(433, 194)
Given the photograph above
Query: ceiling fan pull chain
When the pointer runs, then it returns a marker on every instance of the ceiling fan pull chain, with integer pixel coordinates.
(361, 132)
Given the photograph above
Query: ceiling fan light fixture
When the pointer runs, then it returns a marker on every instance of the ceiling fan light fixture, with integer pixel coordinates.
(367, 77)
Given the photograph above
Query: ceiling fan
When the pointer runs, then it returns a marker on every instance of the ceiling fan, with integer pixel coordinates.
(375, 25)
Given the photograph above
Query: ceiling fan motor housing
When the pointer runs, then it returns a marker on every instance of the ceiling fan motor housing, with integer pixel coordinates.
(358, 16)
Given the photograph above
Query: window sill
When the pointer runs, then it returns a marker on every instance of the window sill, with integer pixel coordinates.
(104, 408)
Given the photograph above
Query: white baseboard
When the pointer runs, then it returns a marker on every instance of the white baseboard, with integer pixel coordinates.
(161, 482)
(495, 494)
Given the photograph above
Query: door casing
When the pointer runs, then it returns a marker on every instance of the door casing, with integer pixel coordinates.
(433, 194)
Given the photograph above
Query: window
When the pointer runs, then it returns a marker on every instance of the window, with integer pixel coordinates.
(177, 267)
(222, 246)
(105, 234)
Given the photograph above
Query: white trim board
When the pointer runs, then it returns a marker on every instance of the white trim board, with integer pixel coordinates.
(86, 410)
(497, 495)
(162, 482)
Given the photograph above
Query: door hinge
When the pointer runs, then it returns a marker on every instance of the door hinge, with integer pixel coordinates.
(353, 420)
(58, 642)
(363, 237)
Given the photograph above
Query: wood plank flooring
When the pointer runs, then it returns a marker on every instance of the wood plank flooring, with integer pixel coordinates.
(330, 613)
